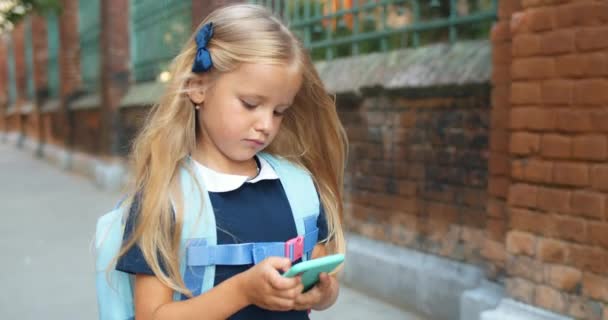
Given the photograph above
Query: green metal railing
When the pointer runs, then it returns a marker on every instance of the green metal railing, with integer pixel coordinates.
(336, 28)
(89, 27)
(12, 79)
(159, 29)
(52, 27)
(29, 60)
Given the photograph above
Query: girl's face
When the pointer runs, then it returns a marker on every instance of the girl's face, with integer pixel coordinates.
(242, 112)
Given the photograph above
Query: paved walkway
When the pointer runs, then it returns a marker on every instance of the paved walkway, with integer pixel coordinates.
(46, 236)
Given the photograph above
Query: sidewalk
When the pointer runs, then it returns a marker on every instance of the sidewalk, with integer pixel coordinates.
(45, 238)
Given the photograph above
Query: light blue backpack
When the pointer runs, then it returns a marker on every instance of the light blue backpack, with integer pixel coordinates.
(199, 243)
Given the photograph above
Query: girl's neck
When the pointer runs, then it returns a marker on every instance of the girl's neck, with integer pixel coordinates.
(220, 163)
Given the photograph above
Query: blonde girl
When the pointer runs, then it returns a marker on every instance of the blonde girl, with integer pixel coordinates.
(243, 84)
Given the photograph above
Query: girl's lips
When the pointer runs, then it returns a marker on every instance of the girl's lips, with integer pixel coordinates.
(255, 142)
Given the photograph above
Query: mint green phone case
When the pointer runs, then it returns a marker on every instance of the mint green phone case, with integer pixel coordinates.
(311, 269)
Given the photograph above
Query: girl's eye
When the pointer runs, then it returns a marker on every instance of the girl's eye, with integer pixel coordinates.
(278, 113)
(247, 105)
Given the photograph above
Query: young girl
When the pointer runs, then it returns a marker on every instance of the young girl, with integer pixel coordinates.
(243, 84)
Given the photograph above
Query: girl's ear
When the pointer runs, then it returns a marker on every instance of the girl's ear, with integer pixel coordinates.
(196, 88)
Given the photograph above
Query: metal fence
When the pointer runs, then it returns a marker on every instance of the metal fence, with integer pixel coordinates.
(336, 28)
(89, 30)
(159, 29)
(52, 26)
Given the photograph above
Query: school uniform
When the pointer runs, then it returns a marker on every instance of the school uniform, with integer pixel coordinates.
(246, 210)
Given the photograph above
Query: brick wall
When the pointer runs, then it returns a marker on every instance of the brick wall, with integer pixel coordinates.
(40, 49)
(557, 243)
(86, 126)
(69, 72)
(3, 84)
(499, 159)
(417, 172)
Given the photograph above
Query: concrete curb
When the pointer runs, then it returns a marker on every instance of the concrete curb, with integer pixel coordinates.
(485, 297)
(513, 310)
(409, 279)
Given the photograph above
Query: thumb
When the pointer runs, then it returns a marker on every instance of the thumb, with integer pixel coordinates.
(324, 280)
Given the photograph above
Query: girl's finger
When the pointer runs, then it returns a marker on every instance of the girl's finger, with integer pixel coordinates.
(291, 293)
(278, 282)
(280, 304)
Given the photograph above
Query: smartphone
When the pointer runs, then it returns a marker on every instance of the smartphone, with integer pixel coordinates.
(311, 269)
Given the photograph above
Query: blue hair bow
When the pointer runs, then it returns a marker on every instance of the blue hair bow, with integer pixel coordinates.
(202, 61)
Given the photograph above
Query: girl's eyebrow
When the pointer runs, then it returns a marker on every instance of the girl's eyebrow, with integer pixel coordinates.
(263, 98)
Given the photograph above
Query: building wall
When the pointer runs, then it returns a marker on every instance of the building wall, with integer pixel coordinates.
(557, 248)
(417, 172)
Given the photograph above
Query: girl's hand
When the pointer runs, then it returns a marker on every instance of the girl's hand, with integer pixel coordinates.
(265, 287)
(321, 296)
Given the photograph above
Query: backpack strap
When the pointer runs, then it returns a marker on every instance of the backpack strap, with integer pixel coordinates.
(199, 237)
(198, 229)
(300, 190)
(251, 253)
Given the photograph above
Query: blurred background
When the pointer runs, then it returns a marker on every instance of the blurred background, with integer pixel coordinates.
(476, 181)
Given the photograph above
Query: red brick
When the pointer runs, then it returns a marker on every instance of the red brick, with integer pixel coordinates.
(501, 54)
(599, 120)
(591, 92)
(525, 267)
(550, 299)
(496, 208)
(598, 234)
(520, 289)
(498, 164)
(581, 13)
(519, 23)
(564, 278)
(526, 45)
(501, 74)
(523, 195)
(588, 259)
(599, 177)
(507, 8)
(596, 64)
(571, 174)
(532, 118)
(595, 286)
(496, 229)
(493, 250)
(500, 97)
(533, 3)
(590, 147)
(523, 143)
(554, 146)
(589, 204)
(500, 32)
(533, 68)
(571, 229)
(534, 222)
(498, 187)
(571, 65)
(552, 251)
(592, 38)
(557, 42)
(541, 19)
(571, 120)
(557, 92)
(521, 243)
(554, 200)
(525, 93)
(532, 170)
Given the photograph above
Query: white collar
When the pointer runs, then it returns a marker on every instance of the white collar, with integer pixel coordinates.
(223, 182)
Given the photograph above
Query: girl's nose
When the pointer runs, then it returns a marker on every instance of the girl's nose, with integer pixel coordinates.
(265, 121)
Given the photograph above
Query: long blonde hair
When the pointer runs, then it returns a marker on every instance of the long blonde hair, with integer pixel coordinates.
(311, 134)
